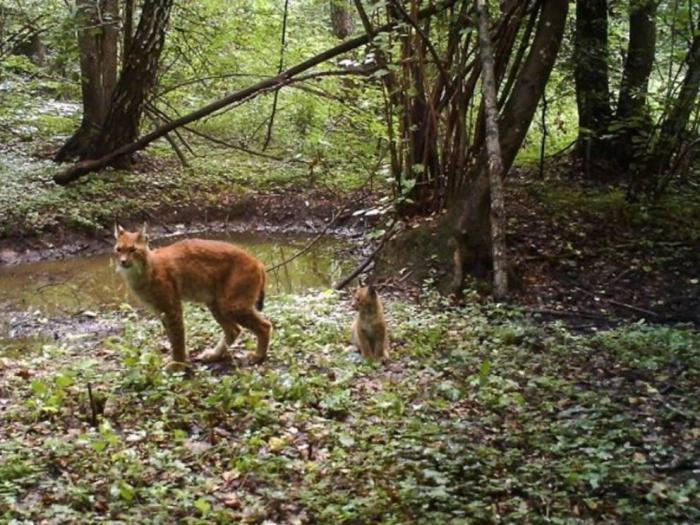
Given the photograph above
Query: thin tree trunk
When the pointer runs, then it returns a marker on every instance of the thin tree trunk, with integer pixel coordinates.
(110, 14)
(83, 168)
(632, 117)
(283, 45)
(97, 45)
(591, 77)
(138, 78)
(508, 31)
(493, 149)
(675, 124)
(128, 29)
(473, 235)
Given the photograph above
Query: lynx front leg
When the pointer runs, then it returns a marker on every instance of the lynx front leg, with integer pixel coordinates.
(175, 329)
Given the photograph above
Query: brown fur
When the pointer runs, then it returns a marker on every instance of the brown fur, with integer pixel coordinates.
(229, 280)
(369, 332)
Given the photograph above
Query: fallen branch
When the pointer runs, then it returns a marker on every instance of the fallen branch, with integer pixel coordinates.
(389, 233)
(313, 241)
(83, 168)
(619, 303)
(566, 313)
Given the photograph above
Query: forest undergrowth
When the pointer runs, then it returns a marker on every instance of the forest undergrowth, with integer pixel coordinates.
(486, 413)
(481, 416)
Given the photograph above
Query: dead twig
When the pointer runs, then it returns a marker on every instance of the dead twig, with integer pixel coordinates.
(389, 233)
(93, 406)
(567, 313)
(313, 241)
(619, 303)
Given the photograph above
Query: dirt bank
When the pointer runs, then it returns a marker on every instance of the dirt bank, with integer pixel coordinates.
(263, 213)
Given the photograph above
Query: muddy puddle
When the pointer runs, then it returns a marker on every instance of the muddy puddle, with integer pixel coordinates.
(56, 299)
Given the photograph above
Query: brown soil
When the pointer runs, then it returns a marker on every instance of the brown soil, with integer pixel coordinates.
(588, 268)
(599, 268)
(288, 212)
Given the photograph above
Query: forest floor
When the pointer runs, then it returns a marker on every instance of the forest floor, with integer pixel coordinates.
(481, 416)
(580, 252)
(486, 413)
(586, 255)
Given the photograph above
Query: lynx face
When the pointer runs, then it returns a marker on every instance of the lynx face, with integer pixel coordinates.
(130, 249)
(365, 298)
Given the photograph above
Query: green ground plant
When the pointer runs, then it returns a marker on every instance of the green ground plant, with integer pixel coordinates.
(480, 417)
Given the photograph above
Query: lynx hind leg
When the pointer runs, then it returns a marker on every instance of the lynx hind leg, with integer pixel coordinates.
(261, 327)
(238, 302)
(231, 333)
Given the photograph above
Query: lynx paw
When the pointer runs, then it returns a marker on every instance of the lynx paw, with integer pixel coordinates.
(177, 366)
(212, 355)
(253, 358)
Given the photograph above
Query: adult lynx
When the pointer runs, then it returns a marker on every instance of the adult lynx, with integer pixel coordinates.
(229, 280)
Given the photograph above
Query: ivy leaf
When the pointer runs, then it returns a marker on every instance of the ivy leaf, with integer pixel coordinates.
(346, 440)
(202, 505)
(484, 371)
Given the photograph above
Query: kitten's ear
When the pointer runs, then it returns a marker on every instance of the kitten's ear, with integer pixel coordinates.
(118, 230)
(143, 233)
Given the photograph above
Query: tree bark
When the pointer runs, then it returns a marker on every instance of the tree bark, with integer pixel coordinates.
(83, 168)
(342, 23)
(494, 162)
(138, 78)
(591, 77)
(632, 118)
(97, 45)
(128, 28)
(673, 128)
(473, 239)
(275, 97)
(506, 34)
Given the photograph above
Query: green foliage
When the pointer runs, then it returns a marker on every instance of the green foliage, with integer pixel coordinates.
(480, 416)
(677, 212)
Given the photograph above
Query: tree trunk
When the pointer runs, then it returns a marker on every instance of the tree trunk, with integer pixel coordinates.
(138, 78)
(473, 235)
(506, 34)
(342, 23)
(32, 47)
(97, 44)
(493, 149)
(632, 119)
(591, 76)
(673, 128)
(83, 168)
(128, 28)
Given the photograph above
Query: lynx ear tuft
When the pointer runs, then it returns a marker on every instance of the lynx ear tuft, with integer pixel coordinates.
(118, 230)
(372, 290)
(143, 234)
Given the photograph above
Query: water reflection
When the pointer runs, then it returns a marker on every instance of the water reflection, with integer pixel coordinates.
(69, 286)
